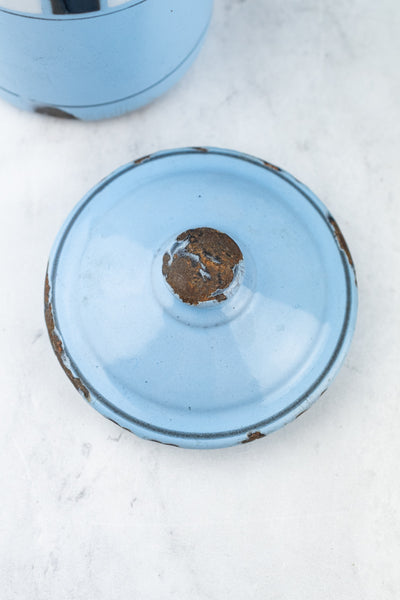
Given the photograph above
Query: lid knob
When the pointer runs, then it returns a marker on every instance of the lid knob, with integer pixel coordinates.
(201, 265)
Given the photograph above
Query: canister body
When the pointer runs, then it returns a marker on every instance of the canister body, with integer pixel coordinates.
(100, 63)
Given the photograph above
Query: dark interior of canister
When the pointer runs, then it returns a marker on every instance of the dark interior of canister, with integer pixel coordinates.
(64, 7)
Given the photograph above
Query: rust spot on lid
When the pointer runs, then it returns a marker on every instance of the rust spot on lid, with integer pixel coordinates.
(57, 343)
(342, 244)
(251, 437)
(138, 161)
(271, 166)
(201, 265)
(200, 149)
(340, 239)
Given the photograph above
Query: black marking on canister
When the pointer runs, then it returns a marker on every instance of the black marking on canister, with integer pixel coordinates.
(65, 7)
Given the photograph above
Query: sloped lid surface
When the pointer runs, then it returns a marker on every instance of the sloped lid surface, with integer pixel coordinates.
(200, 297)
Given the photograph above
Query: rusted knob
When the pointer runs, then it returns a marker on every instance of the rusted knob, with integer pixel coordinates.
(201, 265)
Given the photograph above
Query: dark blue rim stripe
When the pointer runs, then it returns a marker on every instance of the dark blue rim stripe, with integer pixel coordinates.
(348, 272)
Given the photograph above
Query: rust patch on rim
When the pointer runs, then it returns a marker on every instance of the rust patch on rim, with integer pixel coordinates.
(251, 437)
(57, 343)
(271, 166)
(201, 265)
(340, 239)
(138, 161)
(200, 149)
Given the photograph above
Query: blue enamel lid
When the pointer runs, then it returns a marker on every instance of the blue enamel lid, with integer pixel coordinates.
(200, 297)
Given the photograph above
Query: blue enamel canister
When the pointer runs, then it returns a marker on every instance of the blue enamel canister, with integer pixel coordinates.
(93, 59)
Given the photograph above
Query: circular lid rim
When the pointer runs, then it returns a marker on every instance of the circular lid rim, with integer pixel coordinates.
(220, 438)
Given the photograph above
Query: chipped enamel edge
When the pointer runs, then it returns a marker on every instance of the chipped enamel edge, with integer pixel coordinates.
(248, 433)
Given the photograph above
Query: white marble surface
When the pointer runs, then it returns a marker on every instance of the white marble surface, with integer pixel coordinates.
(311, 512)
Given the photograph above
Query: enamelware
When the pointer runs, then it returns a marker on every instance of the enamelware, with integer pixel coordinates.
(200, 297)
(91, 59)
